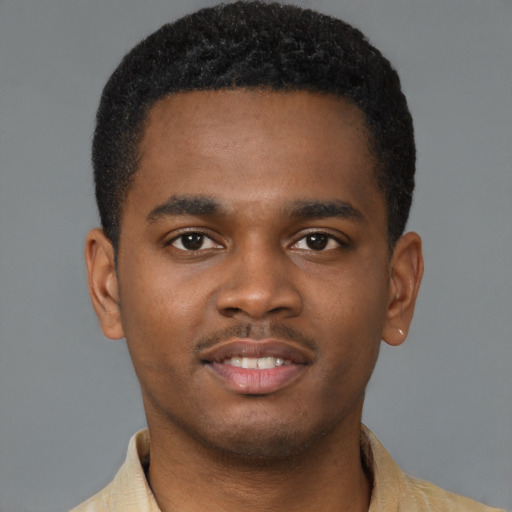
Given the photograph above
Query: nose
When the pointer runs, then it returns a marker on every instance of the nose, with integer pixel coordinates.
(259, 284)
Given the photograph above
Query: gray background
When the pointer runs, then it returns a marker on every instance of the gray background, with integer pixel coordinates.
(69, 400)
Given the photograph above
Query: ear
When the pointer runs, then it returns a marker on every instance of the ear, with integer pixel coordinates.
(405, 278)
(103, 285)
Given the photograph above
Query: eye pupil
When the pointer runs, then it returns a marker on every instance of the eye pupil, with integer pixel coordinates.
(317, 242)
(192, 241)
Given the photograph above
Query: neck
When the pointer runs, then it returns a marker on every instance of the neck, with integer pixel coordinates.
(327, 476)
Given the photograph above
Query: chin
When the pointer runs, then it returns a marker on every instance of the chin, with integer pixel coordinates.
(265, 446)
(262, 432)
(254, 441)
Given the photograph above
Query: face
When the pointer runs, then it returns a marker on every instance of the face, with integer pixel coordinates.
(254, 282)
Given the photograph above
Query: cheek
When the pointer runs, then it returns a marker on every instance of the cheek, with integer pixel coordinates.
(160, 314)
(157, 293)
(355, 299)
(349, 314)
(348, 357)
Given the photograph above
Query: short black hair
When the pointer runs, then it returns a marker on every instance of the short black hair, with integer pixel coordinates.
(253, 44)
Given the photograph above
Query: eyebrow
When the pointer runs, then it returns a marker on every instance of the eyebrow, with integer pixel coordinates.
(201, 206)
(325, 209)
(185, 205)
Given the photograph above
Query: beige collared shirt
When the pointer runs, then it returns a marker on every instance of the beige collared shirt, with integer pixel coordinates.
(393, 490)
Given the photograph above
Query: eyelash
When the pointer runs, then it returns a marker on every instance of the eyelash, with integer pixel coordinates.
(330, 238)
(181, 236)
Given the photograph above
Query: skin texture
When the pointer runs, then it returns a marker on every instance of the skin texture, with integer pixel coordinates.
(257, 273)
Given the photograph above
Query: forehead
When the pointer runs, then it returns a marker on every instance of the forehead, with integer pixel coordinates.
(252, 145)
(236, 115)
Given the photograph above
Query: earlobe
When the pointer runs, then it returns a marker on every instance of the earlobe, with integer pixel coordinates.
(405, 279)
(103, 285)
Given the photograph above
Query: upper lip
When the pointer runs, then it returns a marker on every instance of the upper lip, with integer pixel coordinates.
(271, 347)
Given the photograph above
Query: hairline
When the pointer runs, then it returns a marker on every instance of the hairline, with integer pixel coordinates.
(143, 124)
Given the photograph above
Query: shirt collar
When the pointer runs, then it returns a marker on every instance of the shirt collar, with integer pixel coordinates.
(130, 485)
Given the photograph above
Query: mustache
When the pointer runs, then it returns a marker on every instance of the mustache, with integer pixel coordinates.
(256, 332)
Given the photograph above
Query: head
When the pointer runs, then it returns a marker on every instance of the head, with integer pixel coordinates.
(254, 165)
(253, 45)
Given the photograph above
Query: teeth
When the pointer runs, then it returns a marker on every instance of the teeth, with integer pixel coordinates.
(250, 362)
(256, 363)
(266, 362)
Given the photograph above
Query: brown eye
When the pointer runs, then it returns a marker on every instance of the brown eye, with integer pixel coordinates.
(193, 241)
(317, 241)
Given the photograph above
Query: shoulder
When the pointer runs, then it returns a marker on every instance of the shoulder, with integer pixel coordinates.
(129, 491)
(395, 490)
(100, 502)
(425, 496)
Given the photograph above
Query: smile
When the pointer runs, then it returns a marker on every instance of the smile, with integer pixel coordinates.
(259, 363)
(256, 367)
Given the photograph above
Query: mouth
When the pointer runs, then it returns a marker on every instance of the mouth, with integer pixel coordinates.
(257, 367)
(257, 363)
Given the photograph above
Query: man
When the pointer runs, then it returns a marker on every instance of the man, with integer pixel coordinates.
(254, 168)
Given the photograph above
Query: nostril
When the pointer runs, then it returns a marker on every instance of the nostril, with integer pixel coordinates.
(278, 309)
(230, 311)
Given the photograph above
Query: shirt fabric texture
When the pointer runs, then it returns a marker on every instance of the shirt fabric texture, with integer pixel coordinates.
(393, 490)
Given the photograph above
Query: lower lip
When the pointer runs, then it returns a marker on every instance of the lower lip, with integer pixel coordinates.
(257, 382)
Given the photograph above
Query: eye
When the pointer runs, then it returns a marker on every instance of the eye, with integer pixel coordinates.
(317, 242)
(193, 241)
